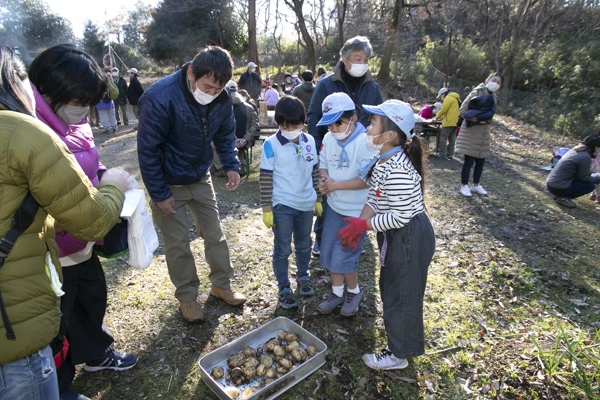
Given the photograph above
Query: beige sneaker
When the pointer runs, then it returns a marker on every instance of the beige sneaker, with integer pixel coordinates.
(191, 311)
(229, 295)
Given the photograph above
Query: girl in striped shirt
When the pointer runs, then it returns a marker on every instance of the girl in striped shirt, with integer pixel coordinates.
(395, 210)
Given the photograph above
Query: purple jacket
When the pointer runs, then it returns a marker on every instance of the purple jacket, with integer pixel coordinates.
(80, 141)
(271, 97)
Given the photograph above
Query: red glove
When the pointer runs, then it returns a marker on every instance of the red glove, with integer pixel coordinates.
(350, 235)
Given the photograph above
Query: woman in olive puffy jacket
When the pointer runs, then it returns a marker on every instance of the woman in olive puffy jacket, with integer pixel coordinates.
(33, 159)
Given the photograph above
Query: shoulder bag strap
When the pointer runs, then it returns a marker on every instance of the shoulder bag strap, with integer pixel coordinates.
(22, 220)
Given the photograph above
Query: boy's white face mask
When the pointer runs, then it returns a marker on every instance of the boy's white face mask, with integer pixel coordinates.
(291, 135)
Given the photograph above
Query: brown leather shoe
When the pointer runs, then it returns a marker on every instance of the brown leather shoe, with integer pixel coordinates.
(229, 295)
(191, 311)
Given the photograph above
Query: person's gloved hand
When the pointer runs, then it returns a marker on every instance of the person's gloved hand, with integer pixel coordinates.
(350, 235)
(268, 219)
(318, 208)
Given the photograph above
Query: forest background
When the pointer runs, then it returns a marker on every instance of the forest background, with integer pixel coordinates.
(548, 51)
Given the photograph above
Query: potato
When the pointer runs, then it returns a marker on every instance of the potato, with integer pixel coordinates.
(262, 383)
(290, 357)
(249, 392)
(236, 373)
(249, 372)
(278, 351)
(285, 363)
(270, 344)
(311, 351)
(291, 346)
(291, 337)
(217, 372)
(228, 377)
(232, 392)
(251, 362)
(271, 373)
(238, 381)
(235, 360)
(261, 370)
(299, 354)
(281, 335)
(259, 352)
(281, 370)
(267, 361)
(249, 352)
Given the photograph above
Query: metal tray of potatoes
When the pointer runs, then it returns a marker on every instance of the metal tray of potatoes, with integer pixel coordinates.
(257, 338)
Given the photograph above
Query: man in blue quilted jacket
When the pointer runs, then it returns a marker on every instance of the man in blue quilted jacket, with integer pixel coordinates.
(351, 76)
(180, 115)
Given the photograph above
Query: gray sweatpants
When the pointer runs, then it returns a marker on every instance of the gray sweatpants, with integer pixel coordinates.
(402, 284)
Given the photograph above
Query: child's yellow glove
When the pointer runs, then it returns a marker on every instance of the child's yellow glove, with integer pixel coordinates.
(318, 208)
(268, 219)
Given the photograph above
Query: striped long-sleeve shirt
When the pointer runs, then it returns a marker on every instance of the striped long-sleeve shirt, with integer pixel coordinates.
(395, 193)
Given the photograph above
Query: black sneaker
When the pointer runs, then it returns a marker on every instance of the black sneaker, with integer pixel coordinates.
(305, 288)
(287, 299)
(111, 359)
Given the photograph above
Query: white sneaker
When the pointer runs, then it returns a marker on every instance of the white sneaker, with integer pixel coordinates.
(384, 360)
(478, 189)
(465, 191)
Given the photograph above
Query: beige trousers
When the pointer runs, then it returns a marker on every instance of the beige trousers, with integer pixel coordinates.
(200, 199)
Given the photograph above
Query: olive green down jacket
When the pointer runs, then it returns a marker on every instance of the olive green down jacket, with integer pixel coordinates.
(33, 158)
(474, 141)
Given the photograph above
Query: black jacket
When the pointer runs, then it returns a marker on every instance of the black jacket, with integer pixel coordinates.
(135, 91)
(122, 85)
(250, 82)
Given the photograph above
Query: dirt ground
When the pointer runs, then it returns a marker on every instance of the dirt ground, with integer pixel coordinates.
(511, 270)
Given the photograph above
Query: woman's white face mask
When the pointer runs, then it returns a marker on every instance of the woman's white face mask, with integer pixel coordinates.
(72, 114)
(492, 86)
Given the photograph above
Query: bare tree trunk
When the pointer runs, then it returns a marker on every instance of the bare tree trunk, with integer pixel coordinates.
(517, 27)
(298, 52)
(448, 58)
(309, 44)
(277, 42)
(388, 48)
(253, 50)
(341, 16)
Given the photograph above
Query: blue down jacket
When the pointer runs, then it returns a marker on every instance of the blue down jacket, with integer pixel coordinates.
(175, 132)
(481, 107)
(366, 92)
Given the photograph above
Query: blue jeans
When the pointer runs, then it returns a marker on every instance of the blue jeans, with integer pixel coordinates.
(289, 221)
(30, 378)
(577, 189)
